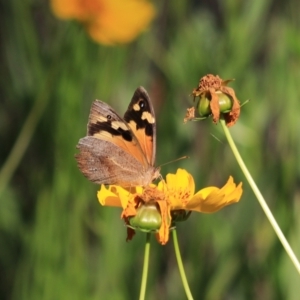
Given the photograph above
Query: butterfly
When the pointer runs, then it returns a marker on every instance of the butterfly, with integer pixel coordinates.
(120, 151)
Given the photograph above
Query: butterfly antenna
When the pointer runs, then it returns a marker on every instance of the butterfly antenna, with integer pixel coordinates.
(177, 159)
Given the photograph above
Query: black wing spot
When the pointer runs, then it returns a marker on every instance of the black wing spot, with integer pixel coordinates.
(148, 129)
(126, 135)
(142, 104)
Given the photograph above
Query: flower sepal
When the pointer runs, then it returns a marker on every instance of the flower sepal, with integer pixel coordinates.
(180, 215)
(147, 218)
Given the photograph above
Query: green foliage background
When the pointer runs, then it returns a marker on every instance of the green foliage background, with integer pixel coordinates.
(57, 242)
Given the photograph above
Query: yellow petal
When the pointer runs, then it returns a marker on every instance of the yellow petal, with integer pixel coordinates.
(113, 196)
(106, 197)
(212, 199)
(180, 188)
(197, 200)
(181, 180)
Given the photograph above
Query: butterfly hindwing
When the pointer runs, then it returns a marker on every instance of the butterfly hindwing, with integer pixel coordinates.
(104, 163)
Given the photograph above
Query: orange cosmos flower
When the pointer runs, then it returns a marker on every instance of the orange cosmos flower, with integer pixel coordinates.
(158, 207)
(107, 21)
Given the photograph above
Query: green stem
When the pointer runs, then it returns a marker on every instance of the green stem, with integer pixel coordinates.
(261, 199)
(180, 266)
(145, 267)
(26, 133)
(28, 129)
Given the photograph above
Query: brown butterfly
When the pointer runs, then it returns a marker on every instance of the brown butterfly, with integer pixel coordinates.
(118, 150)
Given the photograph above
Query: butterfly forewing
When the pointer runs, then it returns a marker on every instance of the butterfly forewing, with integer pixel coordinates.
(104, 163)
(141, 119)
(105, 124)
(120, 151)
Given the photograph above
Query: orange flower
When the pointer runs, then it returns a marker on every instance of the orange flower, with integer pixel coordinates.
(107, 21)
(158, 207)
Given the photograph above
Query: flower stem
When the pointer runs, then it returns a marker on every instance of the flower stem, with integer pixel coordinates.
(34, 116)
(145, 267)
(180, 266)
(26, 133)
(261, 199)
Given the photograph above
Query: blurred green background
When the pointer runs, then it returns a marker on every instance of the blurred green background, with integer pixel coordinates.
(57, 242)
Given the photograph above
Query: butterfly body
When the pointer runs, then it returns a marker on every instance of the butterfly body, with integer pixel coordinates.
(118, 150)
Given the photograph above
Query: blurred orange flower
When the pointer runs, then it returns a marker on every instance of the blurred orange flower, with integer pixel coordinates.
(158, 207)
(107, 21)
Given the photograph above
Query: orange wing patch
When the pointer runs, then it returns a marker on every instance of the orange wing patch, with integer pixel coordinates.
(105, 124)
(132, 147)
(145, 141)
(141, 119)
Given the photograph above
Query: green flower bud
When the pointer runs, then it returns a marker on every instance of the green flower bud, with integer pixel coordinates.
(225, 102)
(148, 218)
(203, 106)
